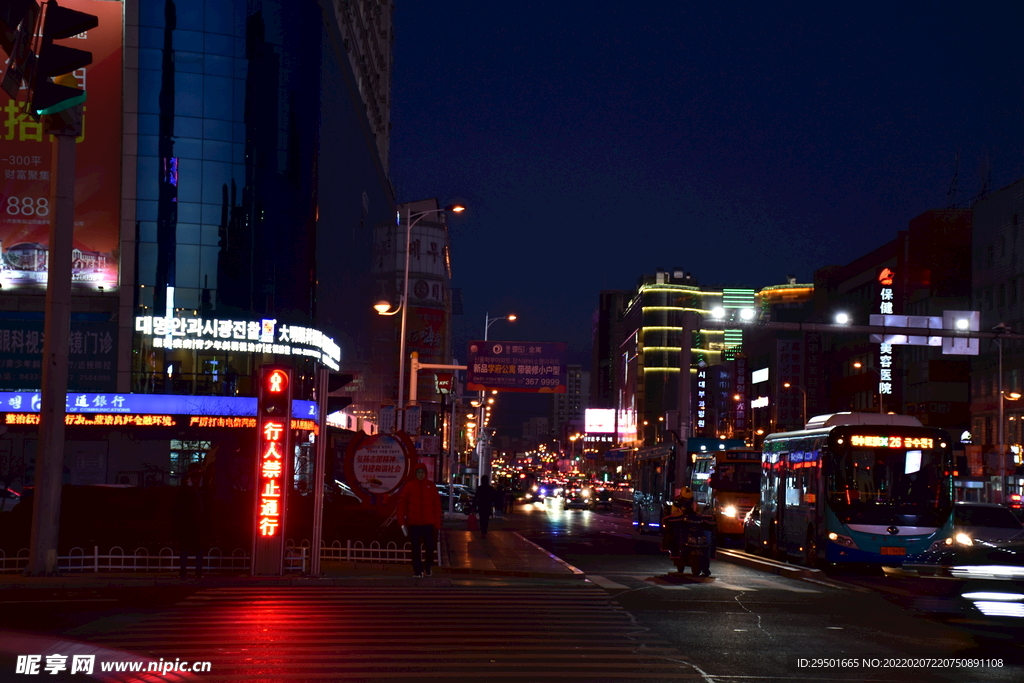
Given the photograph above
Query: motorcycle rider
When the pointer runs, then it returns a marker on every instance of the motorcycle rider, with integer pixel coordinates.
(685, 516)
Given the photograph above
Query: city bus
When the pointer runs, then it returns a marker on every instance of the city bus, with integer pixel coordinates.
(856, 488)
(652, 471)
(726, 484)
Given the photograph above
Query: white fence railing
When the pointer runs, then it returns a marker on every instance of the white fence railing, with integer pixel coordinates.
(296, 559)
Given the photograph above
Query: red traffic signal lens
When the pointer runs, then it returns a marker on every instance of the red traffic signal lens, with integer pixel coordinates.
(277, 382)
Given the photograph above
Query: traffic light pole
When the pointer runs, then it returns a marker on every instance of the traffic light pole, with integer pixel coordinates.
(50, 454)
(319, 464)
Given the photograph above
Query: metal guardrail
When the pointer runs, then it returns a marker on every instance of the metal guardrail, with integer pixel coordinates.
(296, 559)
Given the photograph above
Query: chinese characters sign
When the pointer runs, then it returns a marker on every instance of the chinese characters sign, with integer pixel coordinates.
(27, 164)
(885, 278)
(379, 463)
(273, 439)
(529, 367)
(92, 355)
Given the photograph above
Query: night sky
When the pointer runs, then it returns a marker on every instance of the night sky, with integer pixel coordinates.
(596, 142)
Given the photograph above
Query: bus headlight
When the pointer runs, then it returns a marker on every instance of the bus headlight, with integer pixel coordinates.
(841, 540)
(729, 511)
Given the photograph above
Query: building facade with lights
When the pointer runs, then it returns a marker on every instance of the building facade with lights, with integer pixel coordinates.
(998, 293)
(649, 353)
(234, 228)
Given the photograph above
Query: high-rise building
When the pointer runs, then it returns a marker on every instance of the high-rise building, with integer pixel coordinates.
(231, 175)
(998, 293)
(568, 408)
(664, 307)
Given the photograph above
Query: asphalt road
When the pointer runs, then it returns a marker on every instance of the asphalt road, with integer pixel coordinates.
(752, 625)
(747, 625)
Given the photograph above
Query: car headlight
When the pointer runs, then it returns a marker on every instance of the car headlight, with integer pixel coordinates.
(963, 539)
(729, 511)
(586, 494)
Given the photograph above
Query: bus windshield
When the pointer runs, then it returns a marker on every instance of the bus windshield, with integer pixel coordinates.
(889, 486)
(737, 477)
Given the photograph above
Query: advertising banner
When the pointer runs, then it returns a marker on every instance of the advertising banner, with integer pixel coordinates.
(92, 355)
(526, 367)
(28, 163)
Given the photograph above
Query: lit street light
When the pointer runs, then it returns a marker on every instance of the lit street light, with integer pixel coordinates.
(480, 446)
(383, 307)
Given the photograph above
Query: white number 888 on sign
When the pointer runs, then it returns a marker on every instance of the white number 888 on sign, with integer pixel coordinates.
(28, 206)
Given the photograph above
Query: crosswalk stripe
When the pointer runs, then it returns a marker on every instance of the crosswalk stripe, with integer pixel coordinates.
(348, 633)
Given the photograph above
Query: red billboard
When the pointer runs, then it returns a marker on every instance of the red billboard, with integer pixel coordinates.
(28, 161)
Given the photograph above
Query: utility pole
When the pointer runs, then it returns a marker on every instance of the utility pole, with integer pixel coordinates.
(56, 331)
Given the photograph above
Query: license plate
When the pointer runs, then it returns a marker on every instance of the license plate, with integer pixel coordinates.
(889, 550)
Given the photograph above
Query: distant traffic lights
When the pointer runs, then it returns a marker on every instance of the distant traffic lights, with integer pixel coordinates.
(17, 27)
(53, 61)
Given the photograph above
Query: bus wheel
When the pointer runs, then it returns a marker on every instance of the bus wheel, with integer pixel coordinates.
(811, 549)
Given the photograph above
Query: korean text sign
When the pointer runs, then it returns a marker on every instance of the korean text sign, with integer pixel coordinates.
(527, 367)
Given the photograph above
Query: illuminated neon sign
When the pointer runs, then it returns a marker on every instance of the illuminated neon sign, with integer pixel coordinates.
(239, 336)
(273, 439)
(76, 420)
(877, 441)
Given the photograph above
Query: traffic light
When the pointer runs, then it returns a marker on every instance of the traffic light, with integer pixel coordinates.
(275, 396)
(17, 27)
(53, 61)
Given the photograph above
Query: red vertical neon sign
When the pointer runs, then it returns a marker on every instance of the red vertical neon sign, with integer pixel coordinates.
(273, 468)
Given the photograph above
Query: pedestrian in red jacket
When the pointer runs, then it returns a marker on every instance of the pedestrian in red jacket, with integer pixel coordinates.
(419, 513)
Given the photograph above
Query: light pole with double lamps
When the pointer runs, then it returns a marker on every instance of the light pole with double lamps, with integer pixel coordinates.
(384, 307)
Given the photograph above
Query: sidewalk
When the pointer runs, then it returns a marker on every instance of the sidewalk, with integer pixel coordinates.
(463, 554)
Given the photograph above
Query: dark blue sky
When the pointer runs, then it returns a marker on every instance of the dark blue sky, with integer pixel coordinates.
(595, 142)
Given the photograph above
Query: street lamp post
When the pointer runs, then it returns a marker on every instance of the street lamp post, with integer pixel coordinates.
(383, 307)
(1003, 397)
(488, 321)
(787, 385)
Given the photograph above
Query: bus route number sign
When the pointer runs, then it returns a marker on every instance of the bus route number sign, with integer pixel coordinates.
(891, 441)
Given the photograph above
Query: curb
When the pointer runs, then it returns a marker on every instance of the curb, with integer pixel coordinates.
(575, 571)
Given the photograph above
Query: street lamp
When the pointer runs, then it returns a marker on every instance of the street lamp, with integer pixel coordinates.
(383, 307)
(787, 385)
(488, 321)
(1003, 397)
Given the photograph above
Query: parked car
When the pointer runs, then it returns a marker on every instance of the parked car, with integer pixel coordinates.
(752, 529)
(462, 498)
(8, 499)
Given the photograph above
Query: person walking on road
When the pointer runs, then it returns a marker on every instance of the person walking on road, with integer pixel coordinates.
(484, 503)
(419, 513)
(190, 519)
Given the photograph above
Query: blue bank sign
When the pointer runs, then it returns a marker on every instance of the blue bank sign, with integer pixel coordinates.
(528, 367)
(162, 404)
